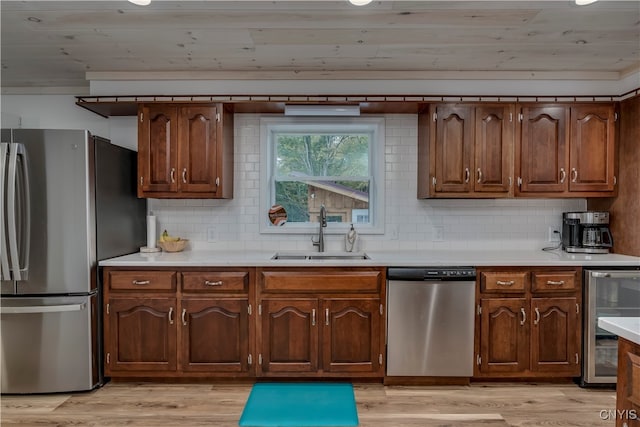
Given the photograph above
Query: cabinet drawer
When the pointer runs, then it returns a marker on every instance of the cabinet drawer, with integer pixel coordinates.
(504, 282)
(216, 281)
(142, 280)
(554, 281)
(338, 281)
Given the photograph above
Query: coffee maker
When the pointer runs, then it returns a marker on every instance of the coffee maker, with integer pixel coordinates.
(586, 232)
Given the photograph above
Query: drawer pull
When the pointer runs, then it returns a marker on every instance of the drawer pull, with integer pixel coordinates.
(326, 316)
(210, 283)
(505, 282)
(313, 317)
(555, 282)
(535, 322)
(184, 314)
(141, 282)
(171, 315)
(524, 316)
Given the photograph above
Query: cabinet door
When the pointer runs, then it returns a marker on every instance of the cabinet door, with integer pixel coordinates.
(289, 336)
(197, 169)
(214, 335)
(140, 335)
(592, 148)
(157, 149)
(351, 335)
(555, 336)
(494, 131)
(543, 154)
(453, 148)
(504, 337)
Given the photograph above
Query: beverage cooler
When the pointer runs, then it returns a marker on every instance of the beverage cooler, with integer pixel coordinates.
(609, 292)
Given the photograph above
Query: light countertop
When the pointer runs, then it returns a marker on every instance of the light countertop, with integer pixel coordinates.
(413, 258)
(625, 327)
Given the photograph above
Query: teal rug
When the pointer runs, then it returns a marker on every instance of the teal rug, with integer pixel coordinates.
(300, 405)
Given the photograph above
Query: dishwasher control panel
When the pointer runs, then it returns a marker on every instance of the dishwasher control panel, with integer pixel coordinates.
(431, 273)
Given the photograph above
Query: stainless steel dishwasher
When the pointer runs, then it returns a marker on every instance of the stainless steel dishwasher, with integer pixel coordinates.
(430, 321)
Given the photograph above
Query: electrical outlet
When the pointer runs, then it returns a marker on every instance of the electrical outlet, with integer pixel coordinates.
(438, 233)
(212, 234)
(554, 234)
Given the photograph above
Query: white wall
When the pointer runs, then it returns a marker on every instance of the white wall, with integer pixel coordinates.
(467, 224)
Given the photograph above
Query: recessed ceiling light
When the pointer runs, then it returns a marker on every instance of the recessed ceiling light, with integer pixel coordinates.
(359, 2)
(585, 2)
(140, 2)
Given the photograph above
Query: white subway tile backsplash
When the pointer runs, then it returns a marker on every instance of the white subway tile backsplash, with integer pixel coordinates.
(468, 224)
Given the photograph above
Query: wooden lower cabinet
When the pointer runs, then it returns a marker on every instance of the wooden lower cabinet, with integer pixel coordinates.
(532, 327)
(317, 331)
(350, 335)
(504, 340)
(141, 335)
(177, 324)
(628, 387)
(214, 335)
(555, 337)
(289, 336)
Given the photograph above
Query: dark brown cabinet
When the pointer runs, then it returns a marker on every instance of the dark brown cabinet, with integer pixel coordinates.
(466, 150)
(185, 151)
(628, 385)
(566, 150)
(528, 323)
(141, 335)
(166, 323)
(329, 323)
(289, 336)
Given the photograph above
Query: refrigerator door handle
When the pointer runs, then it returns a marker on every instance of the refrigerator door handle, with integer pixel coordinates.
(18, 267)
(43, 309)
(5, 273)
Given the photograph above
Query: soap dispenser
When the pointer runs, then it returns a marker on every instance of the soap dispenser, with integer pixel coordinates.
(350, 239)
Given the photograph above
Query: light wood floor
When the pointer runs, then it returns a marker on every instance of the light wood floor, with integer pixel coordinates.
(185, 405)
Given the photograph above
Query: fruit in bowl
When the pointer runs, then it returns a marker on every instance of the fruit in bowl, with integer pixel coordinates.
(170, 243)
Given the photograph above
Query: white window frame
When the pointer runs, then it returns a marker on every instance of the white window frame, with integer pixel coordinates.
(369, 124)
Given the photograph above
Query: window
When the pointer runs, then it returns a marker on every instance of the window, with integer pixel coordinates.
(310, 162)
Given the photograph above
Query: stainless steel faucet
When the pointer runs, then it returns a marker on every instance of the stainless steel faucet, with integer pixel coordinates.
(323, 223)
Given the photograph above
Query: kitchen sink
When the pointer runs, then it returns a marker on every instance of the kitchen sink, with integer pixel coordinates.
(320, 256)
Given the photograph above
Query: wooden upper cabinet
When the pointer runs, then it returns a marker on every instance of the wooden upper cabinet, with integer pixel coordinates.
(157, 149)
(494, 148)
(543, 149)
(185, 151)
(566, 150)
(453, 148)
(467, 150)
(592, 148)
(198, 149)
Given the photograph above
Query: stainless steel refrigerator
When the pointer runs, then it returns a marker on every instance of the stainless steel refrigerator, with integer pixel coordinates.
(68, 200)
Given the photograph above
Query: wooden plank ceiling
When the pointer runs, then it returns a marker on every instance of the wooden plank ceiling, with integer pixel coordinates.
(55, 43)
